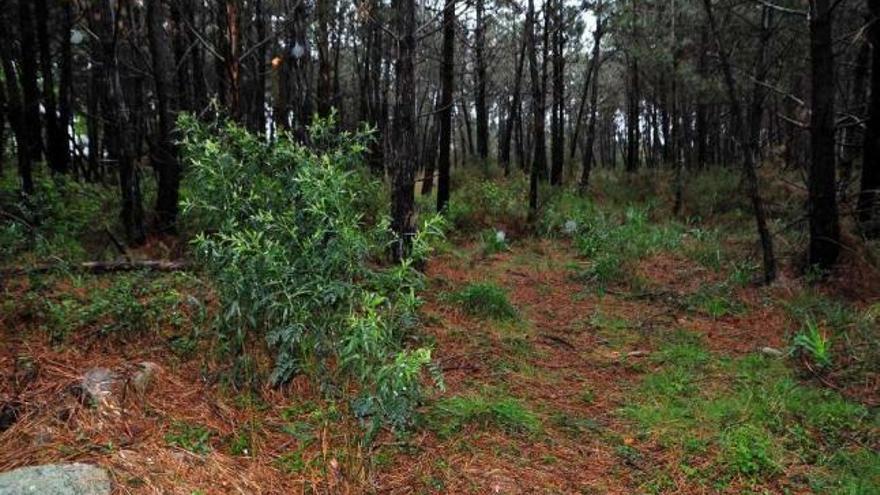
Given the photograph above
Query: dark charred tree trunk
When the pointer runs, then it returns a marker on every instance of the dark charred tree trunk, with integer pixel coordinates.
(633, 132)
(748, 150)
(557, 118)
(164, 152)
(57, 154)
(539, 159)
(258, 112)
(15, 111)
(869, 192)
(482, 123)
(119, 119)
(403, 150)
(444, 116)
(824, 223)
(28, 75)
(65, 83)
(324, 10)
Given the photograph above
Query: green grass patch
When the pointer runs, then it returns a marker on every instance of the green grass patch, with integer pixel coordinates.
(511, 415)
(192, 437)
(484, 299)
(752, 417)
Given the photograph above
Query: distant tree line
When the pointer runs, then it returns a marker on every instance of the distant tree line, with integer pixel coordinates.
(92, 89)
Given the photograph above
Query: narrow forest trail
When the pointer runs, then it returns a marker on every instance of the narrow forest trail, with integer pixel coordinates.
(593, 391)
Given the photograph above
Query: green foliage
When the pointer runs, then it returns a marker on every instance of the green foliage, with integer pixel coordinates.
(451, 414)
(749, 451)
(750, 414)
(478, 203)
(191, 437)
(494, 241)
(610, 244)
(295, 260)
(484, 299)
(815, 343)
(55, 220)
(131, 303)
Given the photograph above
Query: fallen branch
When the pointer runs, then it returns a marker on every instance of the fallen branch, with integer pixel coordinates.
(99, 267)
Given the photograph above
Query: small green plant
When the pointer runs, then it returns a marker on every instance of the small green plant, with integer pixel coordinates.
(452, 414)
(749, 451)
(191, 437)
(484, 299)
(815, 343)
(494, 241)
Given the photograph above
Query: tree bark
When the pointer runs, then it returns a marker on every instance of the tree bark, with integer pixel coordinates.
(118, 118)
(512, 112)
(447, 87)
(57, 149)
(164, 152)
(587, 152)
(482, 123)
(748, 151)
(403, 152)
(824, 227)
(557, 146)
(28, 75)
(16, 112)
(539, 160)
(869, 192)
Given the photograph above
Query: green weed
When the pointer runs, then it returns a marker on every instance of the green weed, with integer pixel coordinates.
(191, 437)
(450, 415)
(484, 299)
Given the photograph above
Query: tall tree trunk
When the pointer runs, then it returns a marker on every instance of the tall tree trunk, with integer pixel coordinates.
(258, 118)
(57, 146)
(587, 152)
(824, 227)
(403, 152)
(852, 134)
(28, 76)
(482, 123)
(16, 112)
(447, 83)
(164, 152)
(748, 151)
(869, 192)
(557, 146)
(65, 82)
(512, 112)
(539, 160)
(633, 132)
(119, 119)
(324, 13)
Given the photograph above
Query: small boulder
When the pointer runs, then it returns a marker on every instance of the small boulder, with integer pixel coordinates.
(772, 352)
(145, 376)
(56, 479)
(96, 386)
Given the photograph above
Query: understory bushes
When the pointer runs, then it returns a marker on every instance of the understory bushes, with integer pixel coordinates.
(609, 241)
(295, 260)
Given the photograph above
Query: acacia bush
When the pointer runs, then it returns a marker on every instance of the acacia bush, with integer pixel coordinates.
(295, 257)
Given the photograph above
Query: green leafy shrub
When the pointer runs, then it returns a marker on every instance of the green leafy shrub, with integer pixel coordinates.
(191, 437)
(484, 299)
(749, 451)
(295, 258)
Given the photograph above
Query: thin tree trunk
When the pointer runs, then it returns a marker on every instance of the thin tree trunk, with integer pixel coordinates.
(482, 123)
(539, 159)
(57, 146)
(119, 119)
(28, 75)
(15, 112)
(587, 152)
(748, 152)
(512, 112)
(447, 83)
(557, 146)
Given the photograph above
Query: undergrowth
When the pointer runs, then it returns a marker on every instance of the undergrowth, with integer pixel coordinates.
(295, 260)
(484, 299)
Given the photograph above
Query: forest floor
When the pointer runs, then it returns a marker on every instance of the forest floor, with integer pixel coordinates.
(676, 377)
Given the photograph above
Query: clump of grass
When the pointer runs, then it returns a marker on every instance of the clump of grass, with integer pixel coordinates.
(506, 413)
(749, 451)
(191, 437)
(716, 301)
(484, 299)
(815, 343)
(494, 241)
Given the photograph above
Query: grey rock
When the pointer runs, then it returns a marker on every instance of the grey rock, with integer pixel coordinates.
(56, 479)
(144, 377)
(96, 385)
(772, 352)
